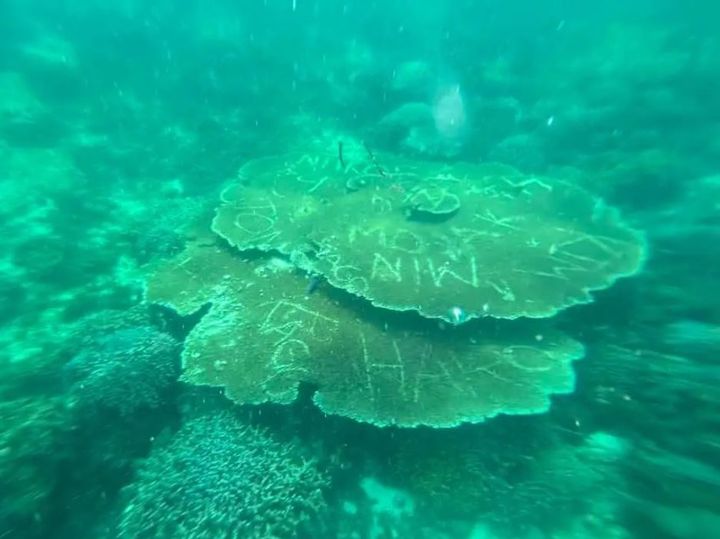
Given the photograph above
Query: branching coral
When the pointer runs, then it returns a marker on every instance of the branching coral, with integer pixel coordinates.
(217, 477)
(125, 370)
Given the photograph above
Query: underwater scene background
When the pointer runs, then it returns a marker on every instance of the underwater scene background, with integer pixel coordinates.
(359, 269)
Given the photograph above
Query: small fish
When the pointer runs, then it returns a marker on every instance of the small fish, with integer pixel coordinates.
(340, 154)
(371, 155)
(313, 283)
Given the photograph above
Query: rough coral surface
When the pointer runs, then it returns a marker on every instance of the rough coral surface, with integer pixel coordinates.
(262, 337)
(125, 370)
(31, 446)
(426, 237)
(219, 478)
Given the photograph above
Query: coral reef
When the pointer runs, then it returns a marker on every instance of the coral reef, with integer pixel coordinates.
(512, 475)
(217, 477)
(546, 244)
(125, 370)
(263, 336)
(353, 143)
(34, 444)
(382, 511)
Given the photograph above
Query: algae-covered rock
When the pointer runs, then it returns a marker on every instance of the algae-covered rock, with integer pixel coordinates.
(485, 240)
(416, 128)
(265, 333)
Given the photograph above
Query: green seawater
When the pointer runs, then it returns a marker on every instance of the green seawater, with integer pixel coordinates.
(402, 269)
